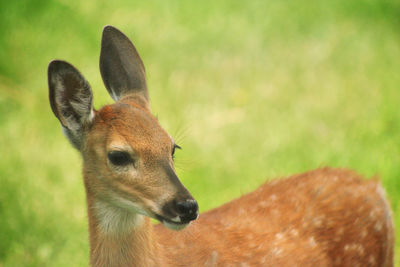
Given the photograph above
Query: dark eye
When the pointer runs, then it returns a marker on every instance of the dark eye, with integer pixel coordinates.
(173, 149)
(119, 158)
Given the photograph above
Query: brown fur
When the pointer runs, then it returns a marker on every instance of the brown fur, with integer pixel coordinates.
(326, 217)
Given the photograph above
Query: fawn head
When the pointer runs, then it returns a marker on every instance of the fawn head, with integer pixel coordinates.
(127, 156)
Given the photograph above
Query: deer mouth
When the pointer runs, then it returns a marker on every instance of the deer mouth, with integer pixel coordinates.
(172, 223)
(178, 213)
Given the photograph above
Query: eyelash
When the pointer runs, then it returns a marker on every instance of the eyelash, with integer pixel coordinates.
(174, 148)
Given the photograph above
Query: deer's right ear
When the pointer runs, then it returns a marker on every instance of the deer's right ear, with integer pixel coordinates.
(121, 67)
(70, 99)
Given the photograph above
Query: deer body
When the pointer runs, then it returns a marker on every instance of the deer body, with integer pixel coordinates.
(326, 217)
(296, 221)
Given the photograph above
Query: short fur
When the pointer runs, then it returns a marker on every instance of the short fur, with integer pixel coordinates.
(325, 217)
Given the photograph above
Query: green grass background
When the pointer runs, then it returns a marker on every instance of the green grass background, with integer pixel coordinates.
(251, 90)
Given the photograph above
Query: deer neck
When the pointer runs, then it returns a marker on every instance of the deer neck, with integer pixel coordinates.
(118, 237)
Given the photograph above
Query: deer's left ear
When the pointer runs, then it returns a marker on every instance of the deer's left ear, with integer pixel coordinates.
(70, 99)
(121, 67)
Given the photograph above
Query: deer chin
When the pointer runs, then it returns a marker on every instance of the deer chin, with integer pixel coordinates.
(174, 226)
(173, 223)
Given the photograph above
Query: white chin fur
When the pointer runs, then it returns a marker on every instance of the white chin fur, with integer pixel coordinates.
(174, 226)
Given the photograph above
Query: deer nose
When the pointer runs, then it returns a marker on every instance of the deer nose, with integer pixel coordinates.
(188, 210)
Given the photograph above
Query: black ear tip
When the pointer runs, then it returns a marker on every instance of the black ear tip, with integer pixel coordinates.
(109, 28)
(63, 70)
(109, 31)
(112, 34)
(56, 65)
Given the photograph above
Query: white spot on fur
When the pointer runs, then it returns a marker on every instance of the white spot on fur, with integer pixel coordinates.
(364, 233)
(372, 214)
(354, 247)
(360, 249)
(279, 236)
(294, 232)
(337, 238)
(371, 260)
(277, 251)
(378, 226)
(312, 242)
(213, 260)
(340, 231)
(317, 221)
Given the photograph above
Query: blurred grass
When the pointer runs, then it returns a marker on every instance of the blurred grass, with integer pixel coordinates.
(251, 90)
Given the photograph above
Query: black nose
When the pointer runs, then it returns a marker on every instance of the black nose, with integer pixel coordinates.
(188, 210)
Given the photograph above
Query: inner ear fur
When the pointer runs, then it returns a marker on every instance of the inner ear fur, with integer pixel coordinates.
(71, 99)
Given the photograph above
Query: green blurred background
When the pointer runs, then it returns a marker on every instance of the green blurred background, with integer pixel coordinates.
(251, 90)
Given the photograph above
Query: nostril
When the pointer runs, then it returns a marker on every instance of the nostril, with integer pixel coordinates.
(188, 209)
(187, 206)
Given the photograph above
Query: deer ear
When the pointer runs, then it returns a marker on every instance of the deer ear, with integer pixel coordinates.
(70, 99)
(121, 67)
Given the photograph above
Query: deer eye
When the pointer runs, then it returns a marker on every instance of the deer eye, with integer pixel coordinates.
(173, 149)
(119, 158)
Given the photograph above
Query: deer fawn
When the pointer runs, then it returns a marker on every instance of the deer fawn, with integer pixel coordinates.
(325, 217)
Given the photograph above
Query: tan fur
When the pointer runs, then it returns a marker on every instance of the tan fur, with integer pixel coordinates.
(327, 217)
